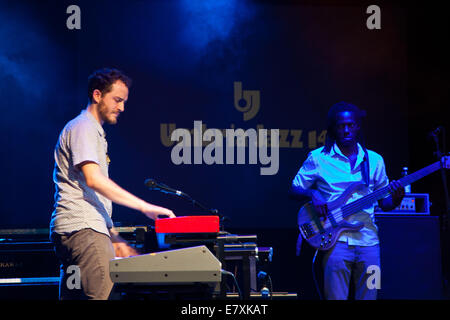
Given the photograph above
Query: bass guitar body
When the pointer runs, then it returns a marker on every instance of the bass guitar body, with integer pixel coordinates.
(323, 233)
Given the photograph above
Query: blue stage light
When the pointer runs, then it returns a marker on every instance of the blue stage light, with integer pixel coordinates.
(208, 20)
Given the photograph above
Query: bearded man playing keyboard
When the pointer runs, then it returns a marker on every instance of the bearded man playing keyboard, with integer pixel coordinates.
(81, 228)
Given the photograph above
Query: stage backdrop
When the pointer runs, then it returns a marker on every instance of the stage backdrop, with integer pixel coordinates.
(237, 65)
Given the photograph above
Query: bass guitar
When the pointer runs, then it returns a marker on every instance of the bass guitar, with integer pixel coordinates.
(322, 234)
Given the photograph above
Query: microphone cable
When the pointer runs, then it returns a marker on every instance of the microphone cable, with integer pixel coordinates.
(235, 282)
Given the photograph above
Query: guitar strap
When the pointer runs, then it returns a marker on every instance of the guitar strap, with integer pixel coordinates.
(365, 168)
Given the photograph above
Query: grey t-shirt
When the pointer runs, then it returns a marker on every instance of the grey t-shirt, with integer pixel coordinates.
(77, 206)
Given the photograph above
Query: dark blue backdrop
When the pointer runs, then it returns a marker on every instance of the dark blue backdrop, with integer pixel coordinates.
(184, 57)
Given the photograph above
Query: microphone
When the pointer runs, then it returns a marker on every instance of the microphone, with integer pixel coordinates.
(153, 185)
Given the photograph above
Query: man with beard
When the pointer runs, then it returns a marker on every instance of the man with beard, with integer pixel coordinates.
(81, 228)
(325, 174)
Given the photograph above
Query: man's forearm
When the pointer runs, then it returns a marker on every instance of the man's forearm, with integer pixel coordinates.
(109, 189)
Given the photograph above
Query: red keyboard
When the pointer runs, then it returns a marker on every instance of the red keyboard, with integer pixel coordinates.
(188, 224)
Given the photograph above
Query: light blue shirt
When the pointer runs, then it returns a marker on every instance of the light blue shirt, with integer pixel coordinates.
(78, 206)
(331, 174)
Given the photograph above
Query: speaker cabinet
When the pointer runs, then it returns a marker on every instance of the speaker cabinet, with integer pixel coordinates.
(410, 257)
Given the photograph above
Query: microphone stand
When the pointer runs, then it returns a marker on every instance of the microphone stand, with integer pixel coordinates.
(439, 156)
(445, 215)
(198, 204)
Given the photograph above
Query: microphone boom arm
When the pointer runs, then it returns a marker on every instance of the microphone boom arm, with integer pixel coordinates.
(153, 185)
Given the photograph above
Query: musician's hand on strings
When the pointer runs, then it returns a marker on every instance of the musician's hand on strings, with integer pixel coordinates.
(397, 191)
(320, 205)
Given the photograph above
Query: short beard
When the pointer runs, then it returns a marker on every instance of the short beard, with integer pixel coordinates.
(103, 113)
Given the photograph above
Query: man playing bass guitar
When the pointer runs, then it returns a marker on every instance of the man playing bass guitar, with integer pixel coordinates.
(324, 176)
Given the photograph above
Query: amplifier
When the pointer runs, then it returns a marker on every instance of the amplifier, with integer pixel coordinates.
(29, 268)
(411, 263)
(25, 254)
(412, 203)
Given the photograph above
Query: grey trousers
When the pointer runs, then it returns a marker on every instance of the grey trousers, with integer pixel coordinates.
(84, 273)
(344, 263)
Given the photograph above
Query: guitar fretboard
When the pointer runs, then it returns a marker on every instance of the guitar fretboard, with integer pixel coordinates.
(368, 200)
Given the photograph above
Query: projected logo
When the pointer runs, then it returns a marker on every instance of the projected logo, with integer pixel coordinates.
(211, 146)
(246, 101)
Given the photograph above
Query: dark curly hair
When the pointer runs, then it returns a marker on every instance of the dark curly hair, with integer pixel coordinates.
(103, 80)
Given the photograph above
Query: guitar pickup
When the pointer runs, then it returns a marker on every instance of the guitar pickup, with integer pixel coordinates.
(307, 230)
